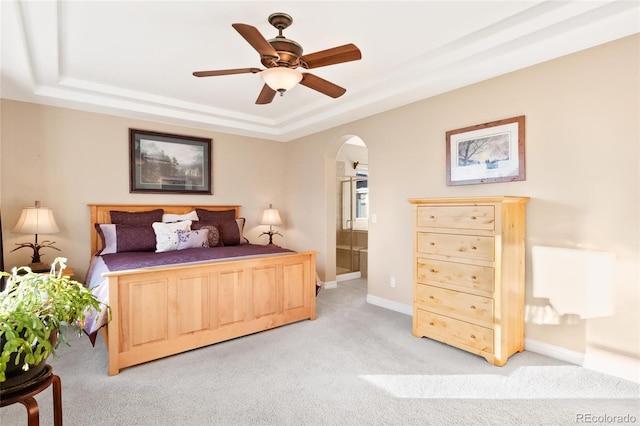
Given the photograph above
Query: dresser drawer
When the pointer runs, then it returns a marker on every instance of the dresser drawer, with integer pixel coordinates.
(459, 217)
(464, 246)
(459, 274)
(476, 308)
(449, 330)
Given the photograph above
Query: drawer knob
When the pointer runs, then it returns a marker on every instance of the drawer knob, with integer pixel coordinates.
(430, 322)
(432, 243)
(474, 248)
(473, 307)
(473, 277)
(432, 217)
(473, 218)
(430, 297)
(473, 336)
(433, 271)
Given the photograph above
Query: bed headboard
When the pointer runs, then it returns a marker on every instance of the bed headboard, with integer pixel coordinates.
(100, 214)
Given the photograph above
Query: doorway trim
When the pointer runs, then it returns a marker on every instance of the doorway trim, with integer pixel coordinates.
(331, 156)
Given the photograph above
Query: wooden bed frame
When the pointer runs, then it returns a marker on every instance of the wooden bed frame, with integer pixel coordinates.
(157, 312)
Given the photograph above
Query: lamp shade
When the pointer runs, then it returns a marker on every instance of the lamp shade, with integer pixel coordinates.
(271, 216)
(36, 220)
(281, 79)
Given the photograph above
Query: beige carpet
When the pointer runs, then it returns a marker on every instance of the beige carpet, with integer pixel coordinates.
(356, 364)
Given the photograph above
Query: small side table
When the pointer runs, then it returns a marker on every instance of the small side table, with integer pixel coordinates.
(68, 271)
(25, 397)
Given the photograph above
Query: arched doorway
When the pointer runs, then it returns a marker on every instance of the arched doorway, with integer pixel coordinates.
(352, 209)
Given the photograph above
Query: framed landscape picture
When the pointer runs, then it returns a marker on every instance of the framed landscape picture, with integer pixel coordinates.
(166, 163)
(486, 153)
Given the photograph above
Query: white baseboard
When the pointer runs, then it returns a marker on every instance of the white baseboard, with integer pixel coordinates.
(349, 276)
(342, 277)
(602, 361)
(330, 284)
(553, 351)
(390, 304)
(607, 362)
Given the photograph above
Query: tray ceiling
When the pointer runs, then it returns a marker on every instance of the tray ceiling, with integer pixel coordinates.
(135, 58)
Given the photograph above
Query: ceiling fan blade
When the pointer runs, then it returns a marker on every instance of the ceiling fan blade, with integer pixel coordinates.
(256, 40)
(335, 55)
(266, 95)
(321, 85)
(226, 72)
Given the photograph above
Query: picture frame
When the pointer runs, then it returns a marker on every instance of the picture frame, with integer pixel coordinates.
(169, 163)
(487, 153)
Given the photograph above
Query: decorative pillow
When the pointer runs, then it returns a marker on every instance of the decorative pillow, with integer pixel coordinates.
(136, 218)
(228, 229)
(213, 235)
(167, 235)
(243, 239)
(215, 216)
(193, 239)
(168, 217)
(121, 238)
(225, 221)
(107, 233)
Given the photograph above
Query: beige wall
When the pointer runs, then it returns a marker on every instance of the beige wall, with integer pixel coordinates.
(67, 159)
(582, 137)
(582, 174)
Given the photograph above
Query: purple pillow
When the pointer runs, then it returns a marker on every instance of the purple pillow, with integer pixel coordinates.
(123, 238)
(215, 216)
(225, 221)
(136, 218)
(228, 229)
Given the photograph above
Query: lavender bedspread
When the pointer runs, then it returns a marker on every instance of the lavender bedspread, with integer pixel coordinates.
(141, 260)
(137, 260)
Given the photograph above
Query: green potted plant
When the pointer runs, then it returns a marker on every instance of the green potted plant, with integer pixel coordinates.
(36, 309)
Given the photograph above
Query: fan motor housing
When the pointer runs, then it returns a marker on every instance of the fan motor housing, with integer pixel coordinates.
(289, 53)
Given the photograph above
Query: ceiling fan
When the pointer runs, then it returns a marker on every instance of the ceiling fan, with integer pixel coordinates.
(281, 56)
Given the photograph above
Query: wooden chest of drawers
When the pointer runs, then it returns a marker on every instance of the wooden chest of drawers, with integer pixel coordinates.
(469, 256)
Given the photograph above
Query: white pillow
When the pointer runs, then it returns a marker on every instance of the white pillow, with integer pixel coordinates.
(109, 238)
(168, 217)
(193, 239)
(167, 234)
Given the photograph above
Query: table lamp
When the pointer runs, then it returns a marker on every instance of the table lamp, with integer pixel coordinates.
(271, 217)
(36, 220)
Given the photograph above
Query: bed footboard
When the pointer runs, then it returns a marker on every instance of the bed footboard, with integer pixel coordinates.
(164, 311)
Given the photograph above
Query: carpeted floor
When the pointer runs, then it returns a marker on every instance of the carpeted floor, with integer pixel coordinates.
(356, 364)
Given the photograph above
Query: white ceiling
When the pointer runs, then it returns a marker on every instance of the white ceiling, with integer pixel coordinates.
(135, 58)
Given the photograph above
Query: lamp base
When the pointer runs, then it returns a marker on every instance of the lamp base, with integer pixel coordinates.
(271, 234)
(39, 267)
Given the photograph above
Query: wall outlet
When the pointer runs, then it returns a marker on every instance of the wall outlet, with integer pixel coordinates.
(392, 281)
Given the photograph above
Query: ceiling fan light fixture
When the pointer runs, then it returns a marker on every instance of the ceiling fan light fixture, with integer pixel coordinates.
(281, 56)
(281, 79)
